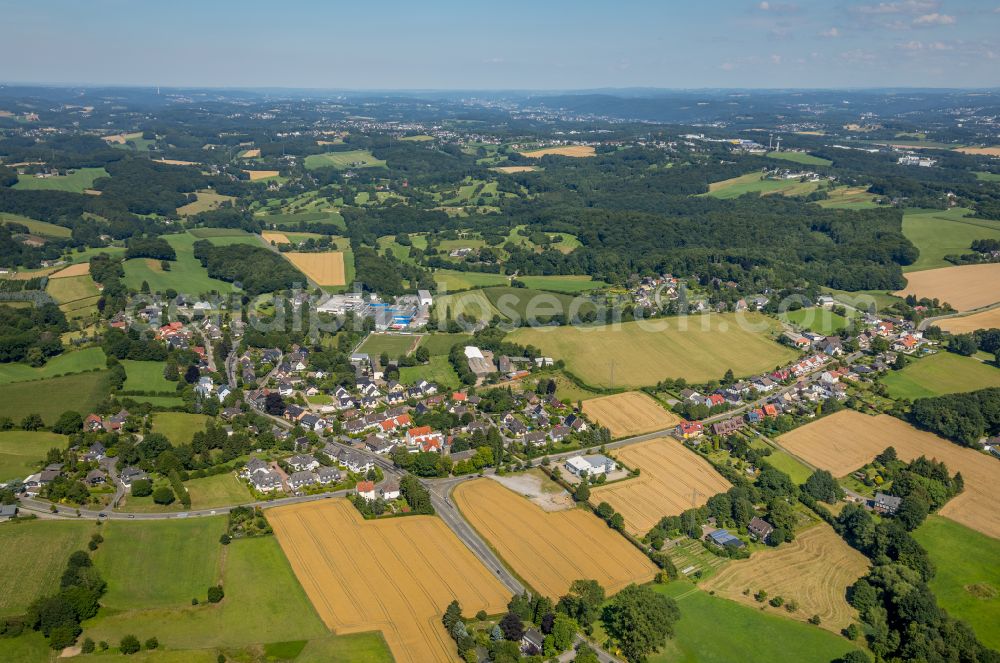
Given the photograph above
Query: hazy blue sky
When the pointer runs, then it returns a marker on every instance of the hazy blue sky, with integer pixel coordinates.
(536, 44)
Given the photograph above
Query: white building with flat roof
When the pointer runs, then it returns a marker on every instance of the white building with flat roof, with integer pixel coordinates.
(592, 465)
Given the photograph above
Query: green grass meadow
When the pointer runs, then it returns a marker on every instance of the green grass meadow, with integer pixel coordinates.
(800, 157)
(75, 182)
(344, 160)
(967, 580)
(50, 398)
(146, 376)
(218, 490)
(179, 427)
(716, 630)
(937, 233)
(186, 274)
(817, 319)
(22, 451)
(451, 281)
(77, 361)
(441, 344)
(34, 557)
(438, 370)
(939, 374)
(754, 183)
(36, 227)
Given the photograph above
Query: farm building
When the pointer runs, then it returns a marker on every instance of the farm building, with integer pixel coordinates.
(721, 537)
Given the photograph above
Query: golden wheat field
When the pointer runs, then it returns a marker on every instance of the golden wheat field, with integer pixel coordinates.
(276, 237)
(970, 323)
(323, 268)
(563, 151)
(176, 162)
(629, 413)
(982, 151)
(848, 440)
(261, 174)
(79, 269)
(814, 570)
(396, 576)
(965, 287)
(251, 154)
(550, 549)
(666, 486)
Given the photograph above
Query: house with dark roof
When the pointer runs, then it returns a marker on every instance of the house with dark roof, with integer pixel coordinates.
(760, 529)
(886, 504)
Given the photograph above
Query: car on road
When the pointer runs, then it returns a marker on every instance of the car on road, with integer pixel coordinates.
(102, 515)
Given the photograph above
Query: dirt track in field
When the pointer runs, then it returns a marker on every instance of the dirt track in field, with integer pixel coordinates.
(630, 413)
(550, 549)
(815, 570)
(670, 474)
(846, 441)
(965, 287)
(323, 268)
(396, 575)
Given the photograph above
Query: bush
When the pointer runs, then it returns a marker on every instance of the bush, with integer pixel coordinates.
(152, 643)
(225, 539)
(163, 495)
(142, 487)
(63, 636)
(814, 620)
(88, 646)
(215, 594)
(129, 645)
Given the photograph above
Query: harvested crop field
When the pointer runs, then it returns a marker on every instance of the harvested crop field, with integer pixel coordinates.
(848, 440)
(630, 413)
(79, 269)
(564, 151)
(395, 575)
(965, 287)
(815, 570)
(550, 549)
(276, 237)
(697, 348)
(261, 174)
(323, 268)
(251, 154)
(514, 169)
(970, 323)
(981, 151)
(176, 162)
(670, 475)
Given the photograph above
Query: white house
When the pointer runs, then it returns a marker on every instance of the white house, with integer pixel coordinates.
(592, 465)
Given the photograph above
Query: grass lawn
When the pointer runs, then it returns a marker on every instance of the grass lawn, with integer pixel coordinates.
(161, 563)
(158, 401)
(789, 465)
(29, 648)
(441, 344)
(569, 284)
(392, 344)
(987, 177)
(186, 274)
(861, 298)
(21, 451)
(146, 376)
(34, 557)
(50, 398)
(72, 288)
(263, 603)
(344, 160)
(715, 630)
(76, 181)
(284, 220)
(438, 370)
(941, 373)
(449, 280)
(754, 183)
(179, 427)
(800, 157)
(937, 233)
(698, 348)
(36, 227)
(218, 490)
(817, 319)
(967, 582)
(525, 303)
(76, 361)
